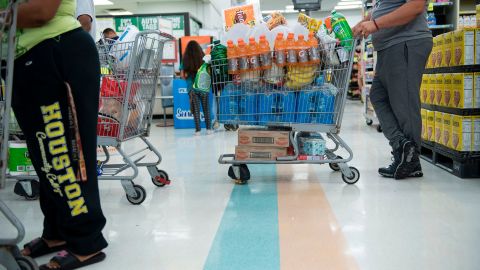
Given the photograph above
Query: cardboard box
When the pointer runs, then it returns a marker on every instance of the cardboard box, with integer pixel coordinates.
(448, 49)
(424, 88)
(476, 133)
(440, 50)
(438, 127)
(462, 85)
(476, 92)
(439, 88)
(431, 126)
(464, 43)
(432, 83)
(447, 90)
(478, 16)
(245, 152)
(258, 137)
(461, 133)
(433, 54)
(423, 113)
(477, 46)
(447, 130)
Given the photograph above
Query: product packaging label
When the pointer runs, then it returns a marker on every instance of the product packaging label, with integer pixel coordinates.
(462, 90)
(424, 124)
(464, 47)
(303, 56)
(476, 92)
(432, 79)
(461, 133)
(280, 58)
(439, 89)
(233, 65)
(254, 62)
(243, 63)
(447, 100)
(430, 126)
(448, 46)
(438, 127)
(447, 130)
(292, 56)
(476, 133)
(440, 50)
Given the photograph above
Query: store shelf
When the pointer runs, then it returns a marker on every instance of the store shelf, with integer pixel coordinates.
(468, 12)
(443, 4)
(457, 69)
(443, 26)
(456, 111)
(460, 164)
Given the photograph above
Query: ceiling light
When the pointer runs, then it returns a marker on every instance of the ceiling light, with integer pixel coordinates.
(102, 2)
(271, 11)
(120, 13)
(289, 7)
(352, 3)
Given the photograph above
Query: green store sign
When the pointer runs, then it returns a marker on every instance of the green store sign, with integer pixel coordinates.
(148, 22)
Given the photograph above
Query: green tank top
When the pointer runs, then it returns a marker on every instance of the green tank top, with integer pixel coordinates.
(63, 22)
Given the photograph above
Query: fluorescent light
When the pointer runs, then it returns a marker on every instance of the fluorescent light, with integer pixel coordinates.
(289, 7)
(279, 11)
(102, 2)
(352, 3)
(348, 7)
(120, 13)
(271, 11)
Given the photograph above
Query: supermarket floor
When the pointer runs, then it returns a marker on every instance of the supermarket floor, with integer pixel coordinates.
(288, 217)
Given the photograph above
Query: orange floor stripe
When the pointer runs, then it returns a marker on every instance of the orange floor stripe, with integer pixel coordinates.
(310, 236)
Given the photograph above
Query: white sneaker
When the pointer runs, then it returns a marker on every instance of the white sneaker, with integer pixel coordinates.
(197, 133)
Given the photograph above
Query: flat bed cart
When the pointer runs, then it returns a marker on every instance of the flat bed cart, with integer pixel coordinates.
(10, 256)
(308, 98)
(130, 75)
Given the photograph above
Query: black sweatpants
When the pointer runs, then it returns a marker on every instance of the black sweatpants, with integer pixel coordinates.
(40, 101)
(195, 99)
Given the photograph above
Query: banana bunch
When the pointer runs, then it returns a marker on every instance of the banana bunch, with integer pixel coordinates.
(297, 77)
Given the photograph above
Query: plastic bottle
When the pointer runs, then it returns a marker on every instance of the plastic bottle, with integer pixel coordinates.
(242, 53)
(280, 51)
(265, 53)
(253, 54)
(341, 28)
(232, 57)
(313, 52)
(431, 19)
(291, 47)
(302, 50)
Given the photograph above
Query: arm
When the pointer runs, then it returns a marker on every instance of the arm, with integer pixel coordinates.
(183, 75)
(37, 13)
(86, 22)
(401, 16)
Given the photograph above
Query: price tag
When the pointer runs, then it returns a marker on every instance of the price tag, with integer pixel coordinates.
(430, 7)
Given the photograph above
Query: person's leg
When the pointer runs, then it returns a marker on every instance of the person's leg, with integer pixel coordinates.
(206, 110)
(195, 108)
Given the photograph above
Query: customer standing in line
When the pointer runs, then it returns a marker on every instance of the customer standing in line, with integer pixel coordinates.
(86, 16)
(55, 100)
(401, 36)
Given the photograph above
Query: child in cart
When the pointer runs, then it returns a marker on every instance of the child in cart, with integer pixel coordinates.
(192, 60)
(55, 100)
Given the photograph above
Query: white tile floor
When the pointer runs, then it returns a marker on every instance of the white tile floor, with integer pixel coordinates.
(432, 223)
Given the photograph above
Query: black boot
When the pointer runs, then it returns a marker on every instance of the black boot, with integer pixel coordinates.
(404, 162)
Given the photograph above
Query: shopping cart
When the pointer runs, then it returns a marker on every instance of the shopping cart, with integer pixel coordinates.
(130, 75)
(10, 256)
(309, 98)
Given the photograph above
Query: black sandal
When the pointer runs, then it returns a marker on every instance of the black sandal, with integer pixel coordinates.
(67, 261)
(38, 247)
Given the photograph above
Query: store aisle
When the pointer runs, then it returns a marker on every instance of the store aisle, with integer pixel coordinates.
(288, 217)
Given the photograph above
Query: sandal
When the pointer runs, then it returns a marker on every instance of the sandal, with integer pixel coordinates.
(39, 247)
(67, 261)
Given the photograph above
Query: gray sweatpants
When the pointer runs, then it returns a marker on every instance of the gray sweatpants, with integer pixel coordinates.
(395, 92)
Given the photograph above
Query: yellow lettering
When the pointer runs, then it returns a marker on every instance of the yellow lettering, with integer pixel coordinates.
(61, 162)
(55, 129)
(58, 146)
(78, 207)
(51, 112)
(70, 176)
(73, 191)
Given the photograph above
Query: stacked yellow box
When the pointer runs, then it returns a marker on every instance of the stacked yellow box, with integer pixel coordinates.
(424, 88)
(440, 50)
(432, 85)
(461, 133)
(430, 126)
(476, 133)
(447, 130)
(477, 46)
(438, 131)
(439, 88)
(448, 47)
(476, 92)
(464, 43)
(424, 124)
(462, 85)
(447, 90)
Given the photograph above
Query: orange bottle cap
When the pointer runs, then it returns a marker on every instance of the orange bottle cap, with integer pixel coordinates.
(291, 35)
(301, 36)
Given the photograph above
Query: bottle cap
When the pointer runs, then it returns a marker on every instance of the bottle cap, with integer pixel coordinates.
(291, 35)
(301, 36)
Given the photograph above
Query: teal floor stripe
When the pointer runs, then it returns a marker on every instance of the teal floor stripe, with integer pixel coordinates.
(247, 238)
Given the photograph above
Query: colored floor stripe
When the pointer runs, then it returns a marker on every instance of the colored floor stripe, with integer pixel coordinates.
(248, 234)
(310, 236)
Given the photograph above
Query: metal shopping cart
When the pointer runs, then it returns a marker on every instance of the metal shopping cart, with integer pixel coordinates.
(301, 98)
(10, 256)
(130, 75)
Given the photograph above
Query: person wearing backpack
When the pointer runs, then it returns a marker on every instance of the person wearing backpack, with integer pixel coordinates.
(192, 61)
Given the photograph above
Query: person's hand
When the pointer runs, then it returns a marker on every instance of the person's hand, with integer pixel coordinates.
(365, 29)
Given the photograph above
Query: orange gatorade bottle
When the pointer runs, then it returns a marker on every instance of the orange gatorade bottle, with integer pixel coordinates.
(232, 58)
(265, 53)
(291, 47)
(242, 54)
(280, 51)
(313, 51)
(253, 54)
(302, 50)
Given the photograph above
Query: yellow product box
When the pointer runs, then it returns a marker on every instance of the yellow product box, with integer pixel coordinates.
(438, 132)
(478, 16)
(464, 43)
(423, 113)
(462, 85)
(447, 130)
(439, 88)
(440, 50)
(477, 46)
(432, 83)
(461, 133)
(447, 90)
(433, 55)
(476, 133)
(430, 126)
(424, 88)
(476, 92)
(448, 49)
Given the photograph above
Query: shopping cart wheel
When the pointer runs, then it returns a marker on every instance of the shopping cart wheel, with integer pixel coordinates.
(29, 189)
(379, 129)
(161, 179)
(369, 122)
(26, 263)
(235, 127)
(355, 177)
(140, 196)
(239, 173)
(335, 166)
